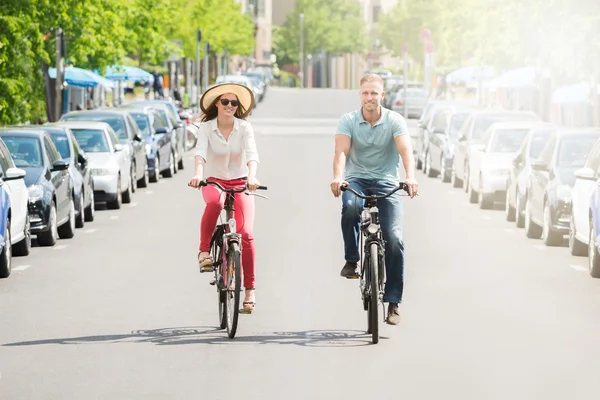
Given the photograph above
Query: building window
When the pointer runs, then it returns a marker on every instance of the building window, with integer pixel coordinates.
(376, 12)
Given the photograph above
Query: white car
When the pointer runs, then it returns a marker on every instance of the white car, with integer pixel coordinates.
(20, 235)
(585, 183)
(490, 164)
(110, 164)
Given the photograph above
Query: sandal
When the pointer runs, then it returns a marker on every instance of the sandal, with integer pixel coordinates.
(206, 263)
(248, 305)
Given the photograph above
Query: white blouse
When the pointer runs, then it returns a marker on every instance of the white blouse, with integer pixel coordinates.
(226, 159)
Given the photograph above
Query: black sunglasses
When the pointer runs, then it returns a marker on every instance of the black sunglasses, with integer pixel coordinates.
(234, 103)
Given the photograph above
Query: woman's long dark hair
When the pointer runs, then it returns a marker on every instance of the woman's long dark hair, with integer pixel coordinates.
(212, 111)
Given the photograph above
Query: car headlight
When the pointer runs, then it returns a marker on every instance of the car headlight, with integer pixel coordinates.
(101, 172)
(148, 149)
(563, 192)
(36, 192)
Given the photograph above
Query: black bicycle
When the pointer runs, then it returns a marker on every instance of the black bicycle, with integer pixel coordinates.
(372, 271)
(226, 247)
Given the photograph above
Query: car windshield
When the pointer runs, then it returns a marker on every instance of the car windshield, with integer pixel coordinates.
(91, 140)
(457, 122)
(573, 150)
(25, 151)
(483, 122)
(116, 122)
(538, 141)
(507, 140)
(142, 122)
(62, 144)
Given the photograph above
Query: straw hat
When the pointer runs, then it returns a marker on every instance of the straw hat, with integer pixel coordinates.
(243, 93)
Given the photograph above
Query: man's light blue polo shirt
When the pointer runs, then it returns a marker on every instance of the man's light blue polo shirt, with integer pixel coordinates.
(373, 152)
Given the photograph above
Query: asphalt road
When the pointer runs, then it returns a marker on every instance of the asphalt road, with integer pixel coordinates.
(121, 312)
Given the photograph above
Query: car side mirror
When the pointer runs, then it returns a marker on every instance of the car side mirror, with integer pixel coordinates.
(137, 137)
(82, 160)
(60, 165)
(586, 174)
(14, 174)
(118, 147)
(160, 131)
(539, 165)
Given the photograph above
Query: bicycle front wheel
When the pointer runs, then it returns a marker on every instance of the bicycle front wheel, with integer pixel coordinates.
(374, 285)
(233, 288)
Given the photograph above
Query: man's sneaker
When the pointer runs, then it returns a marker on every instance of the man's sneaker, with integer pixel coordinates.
(393, 316)
(349, 270)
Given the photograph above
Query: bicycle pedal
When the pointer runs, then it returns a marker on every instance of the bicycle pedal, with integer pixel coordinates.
(213, 282)
(245, 312)
(206, 269)
(353, 277)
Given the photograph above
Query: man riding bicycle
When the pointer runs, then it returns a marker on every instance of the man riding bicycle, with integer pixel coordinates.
(369, 144)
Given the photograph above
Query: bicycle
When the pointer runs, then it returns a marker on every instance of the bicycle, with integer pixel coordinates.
(372, 277)
(226, 246)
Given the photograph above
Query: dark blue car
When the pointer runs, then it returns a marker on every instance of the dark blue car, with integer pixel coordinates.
(5, 247)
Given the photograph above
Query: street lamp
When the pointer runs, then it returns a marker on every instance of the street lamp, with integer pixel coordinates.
(301, 73)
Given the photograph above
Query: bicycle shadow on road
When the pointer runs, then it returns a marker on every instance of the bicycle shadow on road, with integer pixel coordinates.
(211, 335)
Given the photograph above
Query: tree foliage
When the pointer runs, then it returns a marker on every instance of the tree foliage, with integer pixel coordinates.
(335, 26)
(102, 33)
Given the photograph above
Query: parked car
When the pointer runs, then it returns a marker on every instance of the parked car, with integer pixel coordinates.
(470, 136)
(442, 140)
(586, 181)
(516, 184)
(420, 140)
(160, 150)
(109, 163)
(51, 194)
(129, 136)
(548, 201)
(5, 241)
(175, 122)
(416, 100)
(79, 171)
(490, 163)
(594, 236)
(14, 185)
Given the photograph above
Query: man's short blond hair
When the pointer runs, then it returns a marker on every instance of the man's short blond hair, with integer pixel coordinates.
(372, 78)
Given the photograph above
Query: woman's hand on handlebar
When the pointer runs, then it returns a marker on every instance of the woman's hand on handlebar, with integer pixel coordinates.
(252, 183)
(195, 181)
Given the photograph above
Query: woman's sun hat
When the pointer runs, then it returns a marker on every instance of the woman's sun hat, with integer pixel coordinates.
(243, 93)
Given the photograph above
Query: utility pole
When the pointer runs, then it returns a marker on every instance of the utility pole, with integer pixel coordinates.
(205, 72)
(405, 77)
(198, 40)
(301, 50)
(59, 74)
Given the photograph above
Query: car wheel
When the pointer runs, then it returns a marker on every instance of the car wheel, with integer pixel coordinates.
(67, 230)
(6, 256)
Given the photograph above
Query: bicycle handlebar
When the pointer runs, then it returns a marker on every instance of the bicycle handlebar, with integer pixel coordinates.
(401, 186)
(207, 182)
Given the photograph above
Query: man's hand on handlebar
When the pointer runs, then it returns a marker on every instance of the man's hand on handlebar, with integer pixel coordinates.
(336, 186)
(413, 187)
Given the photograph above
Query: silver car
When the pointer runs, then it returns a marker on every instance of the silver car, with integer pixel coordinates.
(109, 163)
(416, 100)
(490, 163)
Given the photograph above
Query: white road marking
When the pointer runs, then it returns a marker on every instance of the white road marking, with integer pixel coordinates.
(21, 268)
(60, 247)
(133, 204)
(508, 230)
(150, 191)
(91, 230)
(486, 217)
(113, 217)
(540, 247)
(578, 268)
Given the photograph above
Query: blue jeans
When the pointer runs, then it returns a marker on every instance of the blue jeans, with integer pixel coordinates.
(390, 218)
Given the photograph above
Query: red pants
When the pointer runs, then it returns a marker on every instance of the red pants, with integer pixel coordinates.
(244, 220)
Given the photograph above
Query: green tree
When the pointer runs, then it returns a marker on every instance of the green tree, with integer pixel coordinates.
(335, 26)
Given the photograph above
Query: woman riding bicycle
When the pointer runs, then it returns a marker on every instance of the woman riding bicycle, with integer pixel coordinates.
(226, 153)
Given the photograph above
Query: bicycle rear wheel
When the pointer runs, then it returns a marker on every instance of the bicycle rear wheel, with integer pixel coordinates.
(374, 298)
(233, 287)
